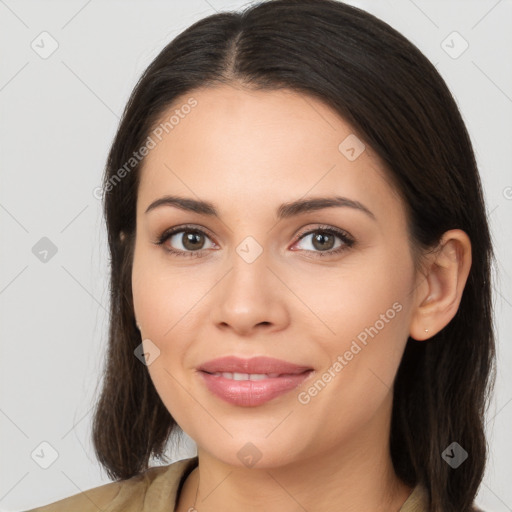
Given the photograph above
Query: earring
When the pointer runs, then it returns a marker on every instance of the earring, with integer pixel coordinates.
(426, 330)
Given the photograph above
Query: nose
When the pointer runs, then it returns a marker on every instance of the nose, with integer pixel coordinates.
(250, 298)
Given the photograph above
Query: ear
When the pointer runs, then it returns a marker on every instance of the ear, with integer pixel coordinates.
(439, 289)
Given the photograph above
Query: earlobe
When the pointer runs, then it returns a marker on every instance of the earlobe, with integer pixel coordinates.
(444, 279)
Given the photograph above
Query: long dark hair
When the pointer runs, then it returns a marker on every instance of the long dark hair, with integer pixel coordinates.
(398, 104)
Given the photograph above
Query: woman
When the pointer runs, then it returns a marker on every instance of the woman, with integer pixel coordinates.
(300, 275)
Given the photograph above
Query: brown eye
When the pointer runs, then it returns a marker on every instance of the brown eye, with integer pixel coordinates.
(184, 241)
(192, 240)
(187, 240)
(323, 241)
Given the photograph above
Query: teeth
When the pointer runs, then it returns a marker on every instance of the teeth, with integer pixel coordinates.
(246, 376)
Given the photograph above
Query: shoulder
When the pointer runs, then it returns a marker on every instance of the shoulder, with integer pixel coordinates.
(418, 501)
(155, 488)
(92, 499)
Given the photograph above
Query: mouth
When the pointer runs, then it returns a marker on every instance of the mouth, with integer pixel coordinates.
(259, 367)
(252, 389)
(252, 376)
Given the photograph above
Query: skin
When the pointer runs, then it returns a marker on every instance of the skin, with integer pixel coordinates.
(248, 152)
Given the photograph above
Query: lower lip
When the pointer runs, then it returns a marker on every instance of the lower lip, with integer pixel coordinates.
(250, 393)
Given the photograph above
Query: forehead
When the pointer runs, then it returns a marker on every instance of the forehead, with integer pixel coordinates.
(241, 147)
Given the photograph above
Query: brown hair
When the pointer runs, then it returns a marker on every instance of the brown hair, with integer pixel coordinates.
(399, 105)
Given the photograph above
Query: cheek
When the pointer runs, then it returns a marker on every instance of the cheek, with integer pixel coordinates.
(163, 296)
(362, 295)
(164, 302)
(368, 314)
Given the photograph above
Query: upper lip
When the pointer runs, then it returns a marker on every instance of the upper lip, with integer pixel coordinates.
(259, 364)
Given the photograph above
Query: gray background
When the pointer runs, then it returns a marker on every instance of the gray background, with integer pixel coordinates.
(58, 116)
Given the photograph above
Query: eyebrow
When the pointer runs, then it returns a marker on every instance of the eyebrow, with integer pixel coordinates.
(286, 210)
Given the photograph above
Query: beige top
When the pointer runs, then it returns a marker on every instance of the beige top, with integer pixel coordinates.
(153, 490)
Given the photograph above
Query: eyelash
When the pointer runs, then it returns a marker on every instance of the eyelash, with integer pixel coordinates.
(347, 240)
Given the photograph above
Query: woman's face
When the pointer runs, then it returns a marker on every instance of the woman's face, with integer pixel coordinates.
(246, 285)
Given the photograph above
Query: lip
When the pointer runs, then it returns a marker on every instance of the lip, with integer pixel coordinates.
(260, 364)
(249, 393)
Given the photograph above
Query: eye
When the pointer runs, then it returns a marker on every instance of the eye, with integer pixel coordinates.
(323, 242)
(190, 241)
